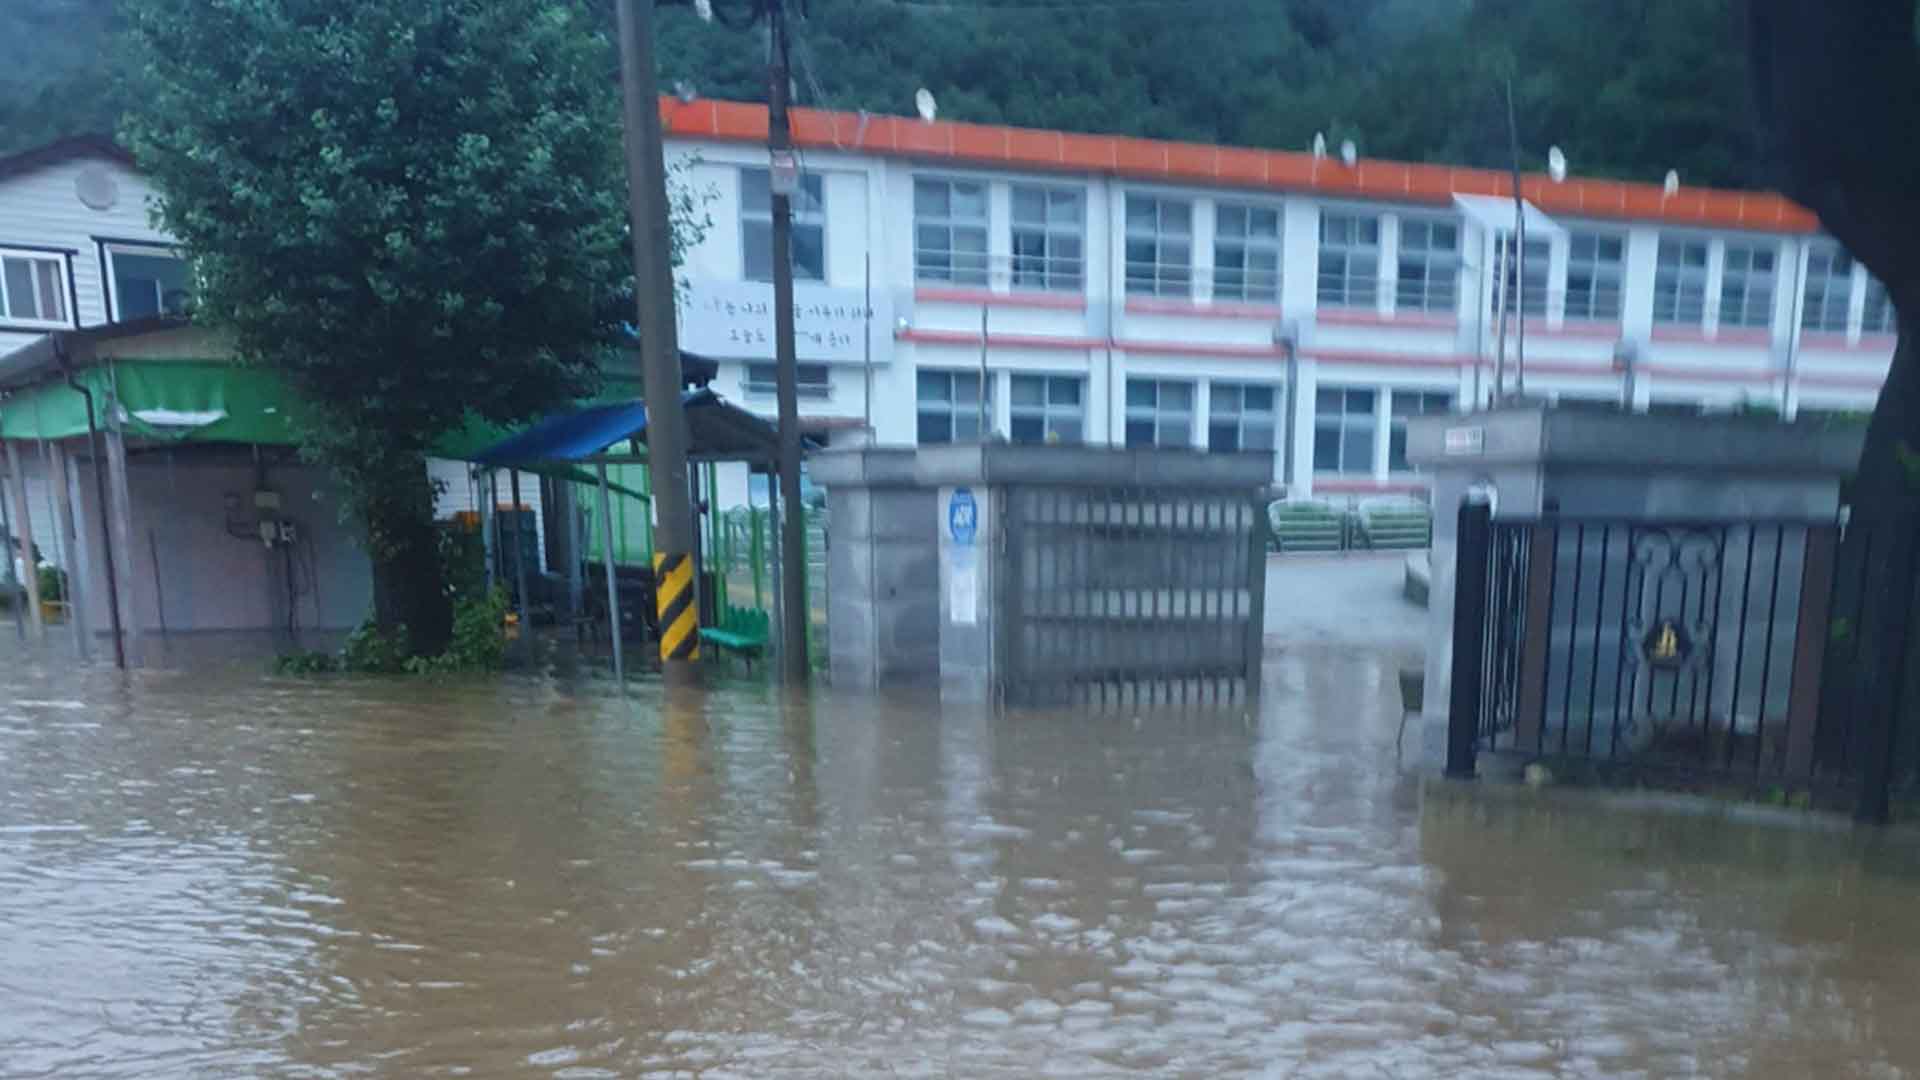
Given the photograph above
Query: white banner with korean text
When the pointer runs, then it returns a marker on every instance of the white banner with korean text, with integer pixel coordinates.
(733, 320)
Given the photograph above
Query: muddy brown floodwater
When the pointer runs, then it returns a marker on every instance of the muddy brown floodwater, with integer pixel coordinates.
(221, 874)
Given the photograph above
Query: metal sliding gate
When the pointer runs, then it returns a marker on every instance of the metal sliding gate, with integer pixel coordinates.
(1114, 595)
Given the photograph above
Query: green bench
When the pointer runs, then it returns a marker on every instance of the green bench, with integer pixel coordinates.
(1395, 523)
(1307, 525)
(742, 632)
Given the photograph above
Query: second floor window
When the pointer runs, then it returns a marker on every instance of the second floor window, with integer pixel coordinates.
(33, 289)
(1746, 286)
(809, 226)
(1879, 314)
(810, 380)
(1349, 260)
(1829, 290)
(1159, 246)
(1343, 427)
(1049, 234)
(1596, 265)
(1408, 403)
(145, 281)
(1241, 417)
(950, 231)
(1159, 413)
(1531, 272)
(950, 404)
(1680, 281)
(1046, 409)
(1429, 265)
(1246, 254)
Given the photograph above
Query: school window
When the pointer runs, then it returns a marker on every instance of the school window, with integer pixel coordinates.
(1829, 290)
(1349, 260)
(1429, 266)
(1680, 281)
(1049, 237)
(1159, 246)
(950, 231)
(1880, 317)
(33, 289)
(145, 281)
(1408, 403)
(1531, 272)
(810, 380)
(1596, 264)
(950, 406)
(1159, 413)
(1343, 426)
(809, 226)
(1246, 254)
(1046, 409)
(1746, 286)
(1242, 417)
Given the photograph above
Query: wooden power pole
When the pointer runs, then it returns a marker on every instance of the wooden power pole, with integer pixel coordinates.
(794, 665)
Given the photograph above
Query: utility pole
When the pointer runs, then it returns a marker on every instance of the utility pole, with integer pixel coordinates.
(784, 175)
(1519, 253)
(674, 579)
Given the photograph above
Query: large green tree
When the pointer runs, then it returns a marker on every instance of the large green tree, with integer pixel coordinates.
(412, 208)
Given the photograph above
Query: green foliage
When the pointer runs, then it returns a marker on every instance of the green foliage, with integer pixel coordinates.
(53, 584)
(306, 662)
(371, 650)
(415, 210)
(479, 637)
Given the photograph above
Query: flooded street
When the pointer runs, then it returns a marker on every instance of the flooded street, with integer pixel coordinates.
(224, 874)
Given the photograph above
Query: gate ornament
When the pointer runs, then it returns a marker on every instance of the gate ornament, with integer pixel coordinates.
(1667, 645)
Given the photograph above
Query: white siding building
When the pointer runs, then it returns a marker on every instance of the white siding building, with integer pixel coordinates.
(1122, 291)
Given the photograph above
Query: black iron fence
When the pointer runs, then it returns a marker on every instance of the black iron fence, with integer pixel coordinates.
(1773, 653)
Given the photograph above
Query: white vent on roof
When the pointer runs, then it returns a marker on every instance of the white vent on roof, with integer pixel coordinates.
(95, 187)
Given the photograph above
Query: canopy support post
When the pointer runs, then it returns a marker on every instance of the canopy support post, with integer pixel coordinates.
(613, 585)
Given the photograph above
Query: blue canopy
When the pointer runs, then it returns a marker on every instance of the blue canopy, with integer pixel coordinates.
(717, 431)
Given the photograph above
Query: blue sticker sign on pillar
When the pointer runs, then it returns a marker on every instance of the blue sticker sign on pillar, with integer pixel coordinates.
(963, 586)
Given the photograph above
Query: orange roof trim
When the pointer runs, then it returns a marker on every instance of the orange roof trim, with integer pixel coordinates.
(1151, 159)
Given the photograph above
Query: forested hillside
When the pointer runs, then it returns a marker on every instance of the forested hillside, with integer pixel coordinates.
(1626, 87)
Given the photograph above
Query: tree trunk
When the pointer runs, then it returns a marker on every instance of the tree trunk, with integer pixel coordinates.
(393, 498)
(1890, 460)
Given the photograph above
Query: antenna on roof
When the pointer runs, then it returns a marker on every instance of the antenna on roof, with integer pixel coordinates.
(1349, 153)
(1673, 182)
(923, 102)
(1556, 164)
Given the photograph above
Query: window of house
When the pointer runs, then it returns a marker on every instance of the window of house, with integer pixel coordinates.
(810, 380)
(1159, 246)
(1049, 230)
(950, 406)
(1408, 403)
(1746, 286)
(1879, 315)
(1241, 417)
(1159, 413)
(809, 226)
(1829, 290)
(1343, 426)
(1531, 300)
(33, 289)
(1046, 409)
(145, 281)
(950, 231)
(1680, 281)
(1429, 265)
(1246, 253)
(1349, 260)
(1596, 264)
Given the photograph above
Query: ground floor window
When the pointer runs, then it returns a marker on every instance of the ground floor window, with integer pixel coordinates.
(1047, 409)
(1159, 413)
(950, 404)
(812, 380)
(1343, 426)
(1242, 417)
(1411, 403)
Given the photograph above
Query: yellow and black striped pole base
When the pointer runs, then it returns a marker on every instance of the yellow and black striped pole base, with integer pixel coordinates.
(675, 602)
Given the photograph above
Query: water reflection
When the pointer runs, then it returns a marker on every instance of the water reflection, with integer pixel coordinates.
(221, 874)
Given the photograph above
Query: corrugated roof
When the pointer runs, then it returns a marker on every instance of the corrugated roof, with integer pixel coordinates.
(1226, 166)
(53, 153)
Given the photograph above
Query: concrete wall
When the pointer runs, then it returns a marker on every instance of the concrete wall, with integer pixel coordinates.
(883, 610)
